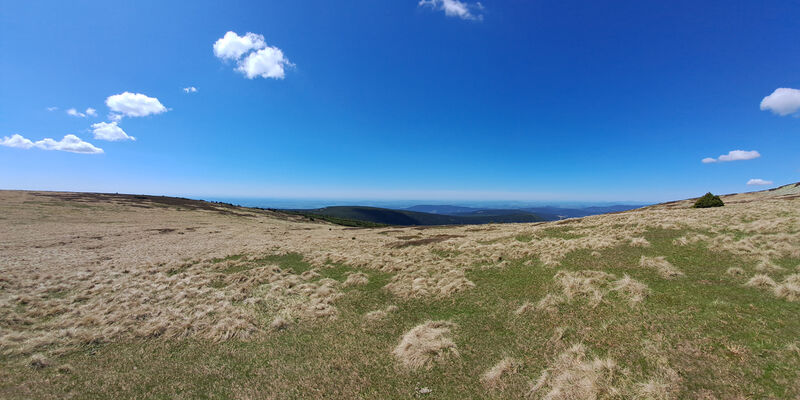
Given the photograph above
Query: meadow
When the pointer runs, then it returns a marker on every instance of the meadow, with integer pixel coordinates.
(119, 296)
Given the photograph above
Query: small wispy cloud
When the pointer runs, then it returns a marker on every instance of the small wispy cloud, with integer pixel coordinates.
(733, 155)
(455, 8)
(758, 182)
(190, 89)
(783, 101)
(70, 143)
(91, 112)
(259, 59)
(51, 109)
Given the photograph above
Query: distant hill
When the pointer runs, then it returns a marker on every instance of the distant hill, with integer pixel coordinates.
(548, 213)
(406, 217)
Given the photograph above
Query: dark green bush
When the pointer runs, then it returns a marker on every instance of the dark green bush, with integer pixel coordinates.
(708, 200)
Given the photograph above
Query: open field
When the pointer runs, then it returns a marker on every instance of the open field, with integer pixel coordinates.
(113, 296)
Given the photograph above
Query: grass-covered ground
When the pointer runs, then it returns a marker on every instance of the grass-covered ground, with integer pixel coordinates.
(697, 333)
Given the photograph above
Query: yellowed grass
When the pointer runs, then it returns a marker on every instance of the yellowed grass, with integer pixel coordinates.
(661, 266)
(493, 378)
(426, 344)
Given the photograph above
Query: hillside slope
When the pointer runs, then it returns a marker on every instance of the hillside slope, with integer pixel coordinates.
(412, 218)
(114, 296)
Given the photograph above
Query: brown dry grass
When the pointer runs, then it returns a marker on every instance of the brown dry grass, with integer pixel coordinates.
(80, 271)
(426, 344)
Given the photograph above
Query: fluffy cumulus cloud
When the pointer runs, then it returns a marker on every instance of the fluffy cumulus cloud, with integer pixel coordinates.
(190, 89)
(455, 8)
(70, 143)
(758, 182)
(110, 131)
(252, 55)
(91, 112)
(268, 62)
(783, 101)
(232, 46)
(134, 105)
(734, 155)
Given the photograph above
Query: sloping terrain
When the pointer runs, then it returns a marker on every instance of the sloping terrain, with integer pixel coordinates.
(412, 218)
(114, 296)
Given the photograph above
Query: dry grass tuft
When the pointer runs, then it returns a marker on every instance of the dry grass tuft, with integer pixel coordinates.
(631, 289)
(525, 307)
(428, 282)
(379, 315)
(789, 289)
(761, 281)
(493, 378)
(639, 242)
(39, 361)
(279, 323)
(660, 265)
(767, 266)
(587, 284)
(734, 271)
(356, 278)
(426, 345)
(573, 375)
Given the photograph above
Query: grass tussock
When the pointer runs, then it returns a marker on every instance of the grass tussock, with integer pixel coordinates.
(426, 345)
(660, 264)
(591, 286)
(427, 283)
(639, 242)
(379, 315)
(493, 378)
(734, 271)
(761, 281)
(356, 278)
(575, 375)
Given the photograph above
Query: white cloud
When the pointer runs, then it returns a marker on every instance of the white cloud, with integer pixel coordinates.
(16, 141)
(52, 108)
(268, 62)
(110, 131)
(232, 46)
(260, 60)
(134, 105)
(190, 89)
(70, 143)
(783, 101)
(734, 155)
(455, 8)
(75, 113)
(758, 182)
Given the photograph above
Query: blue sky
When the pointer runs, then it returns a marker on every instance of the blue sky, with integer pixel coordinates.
(432, 100)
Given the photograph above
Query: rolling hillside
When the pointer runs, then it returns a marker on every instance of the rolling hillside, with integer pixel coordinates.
(119, 296)
(412, 218)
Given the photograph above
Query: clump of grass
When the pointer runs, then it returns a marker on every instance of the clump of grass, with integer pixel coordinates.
(524, 308)
(39, 361)
(631, 289)
(426, 344)
(573, 375)
(429, 282)
(661, 266)
(767, 266)
(356, 278)
(789, 289)
(639, 242)
(734, 271)
(493, 378)
(761, 281)
(279, 323)
(378, 315)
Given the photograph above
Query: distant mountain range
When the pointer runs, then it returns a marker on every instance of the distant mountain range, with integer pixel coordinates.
(456, 215)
